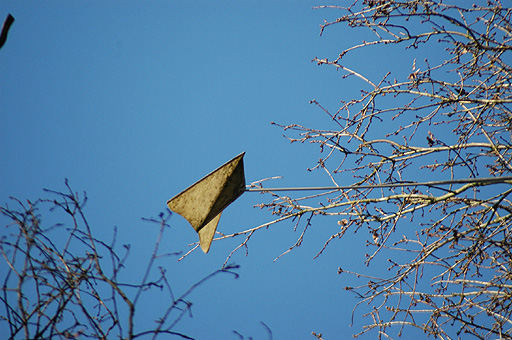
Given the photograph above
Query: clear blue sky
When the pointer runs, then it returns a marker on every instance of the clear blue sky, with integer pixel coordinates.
(134, 101)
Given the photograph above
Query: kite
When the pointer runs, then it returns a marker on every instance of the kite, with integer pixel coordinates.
(202, 203)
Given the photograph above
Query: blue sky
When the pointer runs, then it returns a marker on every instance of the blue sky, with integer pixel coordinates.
(133, 102)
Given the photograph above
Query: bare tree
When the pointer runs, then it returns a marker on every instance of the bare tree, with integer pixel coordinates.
(448, 248)
(60, 282)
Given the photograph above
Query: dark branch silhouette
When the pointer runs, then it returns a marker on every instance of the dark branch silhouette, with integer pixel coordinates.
(5, 29)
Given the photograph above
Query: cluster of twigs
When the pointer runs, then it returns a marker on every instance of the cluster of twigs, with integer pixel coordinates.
(60, 282)
(448, 248)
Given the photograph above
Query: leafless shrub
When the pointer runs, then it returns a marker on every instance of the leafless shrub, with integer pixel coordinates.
(60, 282)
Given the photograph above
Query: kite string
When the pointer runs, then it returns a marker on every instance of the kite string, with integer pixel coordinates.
(504, 179)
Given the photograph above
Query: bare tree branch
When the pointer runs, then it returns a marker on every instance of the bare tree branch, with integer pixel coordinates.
(449, 118)
(63, 283)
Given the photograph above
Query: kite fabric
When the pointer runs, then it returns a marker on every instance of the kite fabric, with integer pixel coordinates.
(202, 203)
